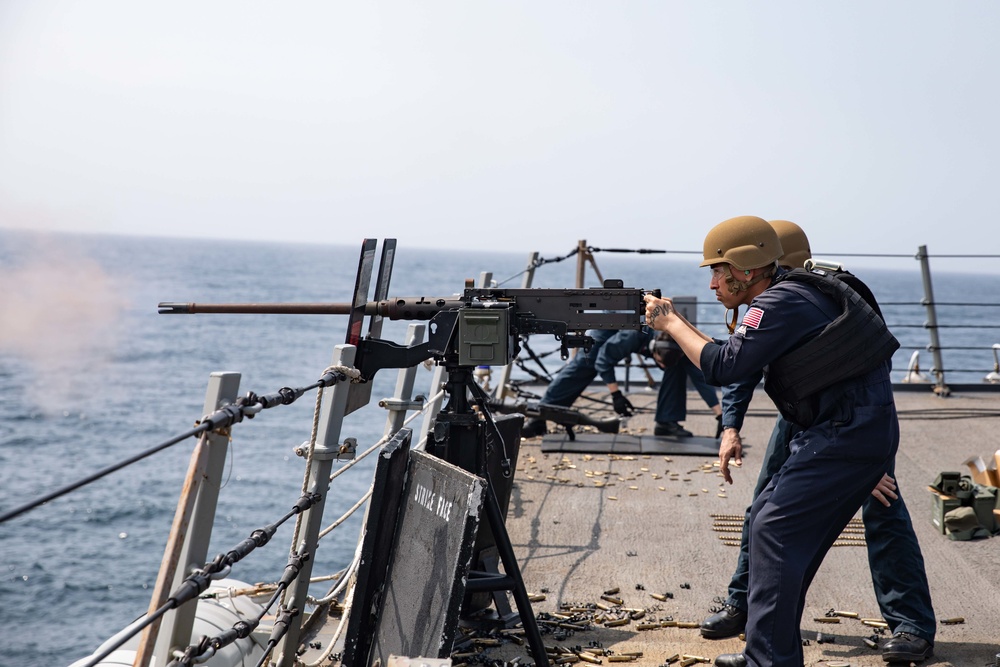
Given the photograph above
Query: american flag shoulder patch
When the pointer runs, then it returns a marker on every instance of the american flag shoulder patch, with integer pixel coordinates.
(753, 317)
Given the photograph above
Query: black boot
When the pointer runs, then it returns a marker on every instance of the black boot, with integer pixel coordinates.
(728, 622)
(533, 428)
(672, 429)
(731, 660)
(904, 647)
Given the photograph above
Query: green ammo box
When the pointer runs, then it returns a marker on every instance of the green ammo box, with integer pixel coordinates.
(942, 505)
(983, 502)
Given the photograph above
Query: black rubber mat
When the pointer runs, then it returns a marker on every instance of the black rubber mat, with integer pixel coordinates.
(619, 443)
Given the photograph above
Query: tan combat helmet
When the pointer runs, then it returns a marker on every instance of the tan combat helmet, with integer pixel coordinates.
(746, 242)
(794, 242)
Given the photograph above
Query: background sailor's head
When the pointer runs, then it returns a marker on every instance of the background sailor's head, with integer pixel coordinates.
(794, 243)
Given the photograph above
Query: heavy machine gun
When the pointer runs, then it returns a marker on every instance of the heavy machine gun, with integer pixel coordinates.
(480, 327)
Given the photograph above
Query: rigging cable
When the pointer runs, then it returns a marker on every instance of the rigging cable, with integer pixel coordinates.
(539, 262)
(247, 406)
(209, 646)
(342, 625)
(198, 581)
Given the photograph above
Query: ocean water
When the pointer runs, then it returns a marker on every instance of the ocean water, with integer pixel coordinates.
(91, 374)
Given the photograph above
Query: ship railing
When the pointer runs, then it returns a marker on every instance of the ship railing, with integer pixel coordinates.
(938, 319)
(185, 566)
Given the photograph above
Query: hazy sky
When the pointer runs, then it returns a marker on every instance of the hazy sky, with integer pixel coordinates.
(509, 125)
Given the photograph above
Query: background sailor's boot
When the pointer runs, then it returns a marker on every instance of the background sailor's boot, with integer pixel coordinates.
(533, 428)
(672, 429)
(731, 660)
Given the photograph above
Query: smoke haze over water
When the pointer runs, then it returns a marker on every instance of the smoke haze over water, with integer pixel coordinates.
(60, 314)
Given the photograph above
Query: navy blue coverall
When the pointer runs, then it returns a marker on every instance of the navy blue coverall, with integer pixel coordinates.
(894, 556)
(831, 469)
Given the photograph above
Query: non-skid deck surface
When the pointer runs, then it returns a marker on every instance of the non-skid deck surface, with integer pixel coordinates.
(624, 443)
(585, 523)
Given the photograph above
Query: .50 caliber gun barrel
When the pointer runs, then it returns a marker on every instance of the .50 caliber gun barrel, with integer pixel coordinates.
(168, 307)
(395, 308)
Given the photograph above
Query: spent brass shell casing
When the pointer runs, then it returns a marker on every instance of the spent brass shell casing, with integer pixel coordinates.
(613, 591)
(536, 597)
(846, 614)
(648, 626)
(657, 596)
(616, 622)
(870, 643)
(602, 607)
(674, 658)
(486, 641)
(699, 658)
(838, 664)
(634, 654)
(827, 619)
(688, 624)
(589, 657)
(567, 659)
(687, 662)
(636, 614)
(953, 621)
(876, 624)
(621, 658)
(612, 599)
(571, 626)
(462, 656)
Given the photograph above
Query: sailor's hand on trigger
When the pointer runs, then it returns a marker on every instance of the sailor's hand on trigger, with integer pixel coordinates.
(658, 309)
(730, 449)
(885, 490)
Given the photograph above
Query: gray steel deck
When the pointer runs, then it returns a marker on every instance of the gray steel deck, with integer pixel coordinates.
(584, 523)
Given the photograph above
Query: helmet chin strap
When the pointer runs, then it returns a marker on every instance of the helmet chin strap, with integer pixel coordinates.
(731, 324)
